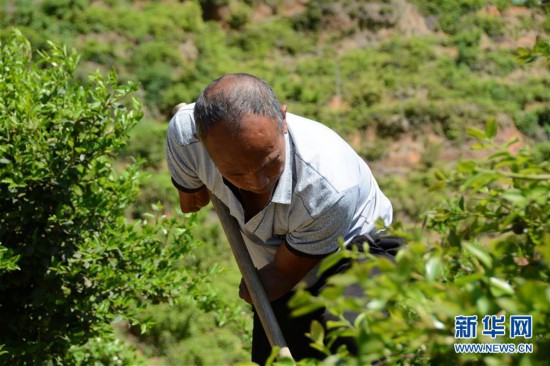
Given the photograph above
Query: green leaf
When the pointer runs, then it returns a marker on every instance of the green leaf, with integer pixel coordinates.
(483, 305)
(434, 268)
(478, 180)
(544, 249)
(461, 203)
(466, 166)
(477, 133)
(479, 253)
(438, 185)
(480, 146)
(331, 260)
(317, 332)
(491, 128)
(500, 287)
(439, 175)
(515, 196)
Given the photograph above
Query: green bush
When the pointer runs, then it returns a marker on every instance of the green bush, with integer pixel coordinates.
(95, 19)
(105, 351)
(217, 321)
(409, 55)
(541, 151)
(156, 189)
(546, 23)
(181, 334)
(451, 14)
(99, 51)
(62, 8)
(486, 252)
(467, 43)
(263, 39)
(147, 143)
(535, 123)
(69, 261)
(493, 26)
(499, 63)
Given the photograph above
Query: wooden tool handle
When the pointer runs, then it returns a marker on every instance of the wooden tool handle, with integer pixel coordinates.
(250, 277)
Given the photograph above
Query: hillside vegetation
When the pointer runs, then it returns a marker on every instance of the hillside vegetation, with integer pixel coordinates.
(410, 84)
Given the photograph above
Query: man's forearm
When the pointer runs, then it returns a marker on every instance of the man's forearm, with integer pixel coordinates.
(192, 202)
(280, 276)
(276, 284)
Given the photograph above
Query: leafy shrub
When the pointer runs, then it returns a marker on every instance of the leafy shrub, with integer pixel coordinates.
(181, 334)
(541, 151)
(408, 206)
(264, 38)
(486, 252)
(535, 123)
(493, 26)
(467, 43)
(217, 320)
(147, 143)
(450, 14)
(375, 150)
(239, 14)
(69, 262)
(156, 190)
(155, 79)
(99, 51)
(105, 351)
(443, 117)
(323, 15)
(499, 63)
(96, 18)
(62, 8)
(154, 53)
(546, 23)
(411, 55)
(170, 21)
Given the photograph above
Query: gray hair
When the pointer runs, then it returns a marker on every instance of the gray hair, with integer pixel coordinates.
(230, 98)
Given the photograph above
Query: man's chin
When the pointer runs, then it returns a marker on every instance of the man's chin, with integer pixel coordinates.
(264, 190)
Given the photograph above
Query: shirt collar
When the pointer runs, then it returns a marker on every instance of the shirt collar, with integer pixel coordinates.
(283, 190)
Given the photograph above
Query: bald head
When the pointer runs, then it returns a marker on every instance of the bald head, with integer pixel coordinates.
(230, 98)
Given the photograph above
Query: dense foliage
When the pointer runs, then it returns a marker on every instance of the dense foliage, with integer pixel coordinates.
(69, 261)
(491, 257)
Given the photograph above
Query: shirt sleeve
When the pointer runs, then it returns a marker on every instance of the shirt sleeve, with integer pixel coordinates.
(181, 154)
(319, 235)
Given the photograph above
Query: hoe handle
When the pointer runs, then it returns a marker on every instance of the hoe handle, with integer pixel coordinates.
(250, 277)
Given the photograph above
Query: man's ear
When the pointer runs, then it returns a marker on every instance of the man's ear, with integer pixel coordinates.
(283, 111)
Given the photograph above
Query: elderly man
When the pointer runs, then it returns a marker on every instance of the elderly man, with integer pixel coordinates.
(294, 186)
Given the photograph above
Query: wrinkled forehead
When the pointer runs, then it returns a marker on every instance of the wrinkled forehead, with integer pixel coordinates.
(244, 126)
(256, 136)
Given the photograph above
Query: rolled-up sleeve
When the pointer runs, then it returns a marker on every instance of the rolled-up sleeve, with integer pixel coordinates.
(319, 234)
(181, 154)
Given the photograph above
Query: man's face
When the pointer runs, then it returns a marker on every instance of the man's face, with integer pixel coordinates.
(252, 159)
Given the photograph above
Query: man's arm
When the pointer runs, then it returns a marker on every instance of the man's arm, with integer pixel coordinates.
(318, 235)
(194, 201)
(281, 275)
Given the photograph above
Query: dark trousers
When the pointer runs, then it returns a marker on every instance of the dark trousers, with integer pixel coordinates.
(294, 329)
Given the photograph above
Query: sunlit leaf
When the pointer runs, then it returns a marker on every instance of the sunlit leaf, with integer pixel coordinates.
(479, 253)
(500, 287)
(491, 128)
(477, 133)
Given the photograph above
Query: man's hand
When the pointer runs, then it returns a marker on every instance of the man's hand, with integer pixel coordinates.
(281, 275)
(192, 202)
